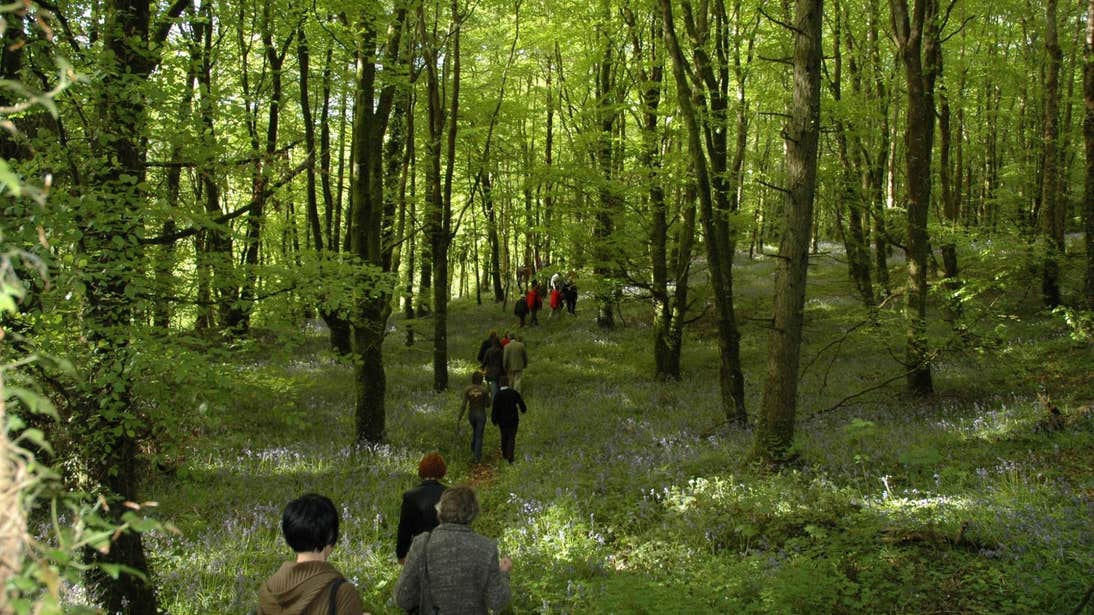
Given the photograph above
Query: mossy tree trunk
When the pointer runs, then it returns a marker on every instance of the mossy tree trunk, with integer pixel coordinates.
(1088, 136)
(1052, 210)
(775, 425)
(707, 148)
(372, 109)
(919, 47)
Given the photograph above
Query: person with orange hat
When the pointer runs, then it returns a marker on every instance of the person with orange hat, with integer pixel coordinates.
(419, 513)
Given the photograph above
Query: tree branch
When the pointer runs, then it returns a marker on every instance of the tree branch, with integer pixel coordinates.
(790, 27)
(194, 230)
(163, 28)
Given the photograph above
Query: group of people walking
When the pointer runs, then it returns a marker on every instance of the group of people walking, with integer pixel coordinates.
(446, 566)
(559, 292)
(501, 361)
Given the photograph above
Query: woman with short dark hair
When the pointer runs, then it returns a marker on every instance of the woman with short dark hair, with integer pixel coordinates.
(452, 569)
(309, 585)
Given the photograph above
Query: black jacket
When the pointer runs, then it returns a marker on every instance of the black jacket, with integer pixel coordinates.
(417, 514)
(504, 411)
(492, 362)
(486, 344)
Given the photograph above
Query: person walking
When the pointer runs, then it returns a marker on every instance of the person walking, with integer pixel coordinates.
(475, 401)
(535, 303)
(569, 294)
(504, 414)
(453, 569)
(485, 345)
(514, 360)
(309, 585)
(418, 512)
(492, 366)
(520, 309)
(555, 303)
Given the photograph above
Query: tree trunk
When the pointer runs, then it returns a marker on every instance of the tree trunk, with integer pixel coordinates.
(110, 221)
(492, 237)
(775, 427)
(439, 219)
(1052, 211)
(217, 288)
(713, 197)
(854, 236)
(666, 347)
(1088, 137)
(303, 56)
(239, 318)
(610, 201)
(716, 193)
(370, 118)
(919, 51)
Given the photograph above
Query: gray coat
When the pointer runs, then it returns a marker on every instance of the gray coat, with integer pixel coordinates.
(463, 573)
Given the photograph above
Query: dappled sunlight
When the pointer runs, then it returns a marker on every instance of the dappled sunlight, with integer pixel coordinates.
(556, 530)
(921, 505)
(830, 303)
(991, 421)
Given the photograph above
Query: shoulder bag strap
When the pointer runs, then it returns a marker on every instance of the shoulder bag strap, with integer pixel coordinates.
(427, 590)
(334, 595)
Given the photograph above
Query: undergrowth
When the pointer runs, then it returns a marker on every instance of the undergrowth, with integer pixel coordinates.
(631, 495)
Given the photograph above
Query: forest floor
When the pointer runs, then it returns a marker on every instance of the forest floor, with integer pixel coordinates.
(631, 495)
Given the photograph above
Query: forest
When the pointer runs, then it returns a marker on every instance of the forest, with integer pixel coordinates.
(832, 350)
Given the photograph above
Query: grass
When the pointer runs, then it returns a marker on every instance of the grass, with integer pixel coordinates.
(632, 496)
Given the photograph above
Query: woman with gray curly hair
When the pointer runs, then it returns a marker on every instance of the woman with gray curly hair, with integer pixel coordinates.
(452, 569)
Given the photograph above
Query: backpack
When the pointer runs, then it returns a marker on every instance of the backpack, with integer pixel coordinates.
(520, 307)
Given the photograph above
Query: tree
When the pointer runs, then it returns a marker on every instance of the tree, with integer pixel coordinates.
(1088, 135)
(717, 194)
(372, 109)
(110, 238)
(917, 37)
(852, 158)
(442, 131)
(775, 425)
(1052, 211)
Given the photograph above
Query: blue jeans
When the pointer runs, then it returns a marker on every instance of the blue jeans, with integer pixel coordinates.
(477, 426)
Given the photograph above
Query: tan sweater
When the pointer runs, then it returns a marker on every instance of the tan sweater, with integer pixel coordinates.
(304, 589)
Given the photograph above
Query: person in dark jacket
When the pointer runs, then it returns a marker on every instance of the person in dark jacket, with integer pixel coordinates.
(520, 308)
(569, 294)
(486, 344)
(309, 585)
(418, 513)
(492, 366)
(504, 414)
(452, 569)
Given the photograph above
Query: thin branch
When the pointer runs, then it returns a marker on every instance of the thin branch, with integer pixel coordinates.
(790, 27)
(772, 186)
(785, 61)
(194, 230)
(176, 164)
(959, 29)
(163, 28)
(880, 385)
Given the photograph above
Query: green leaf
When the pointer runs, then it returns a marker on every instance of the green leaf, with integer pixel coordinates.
(33, 402)
(10, 180)
(36, 437)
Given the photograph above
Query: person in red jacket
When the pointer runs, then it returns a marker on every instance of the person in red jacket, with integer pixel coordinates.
(535, 302)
